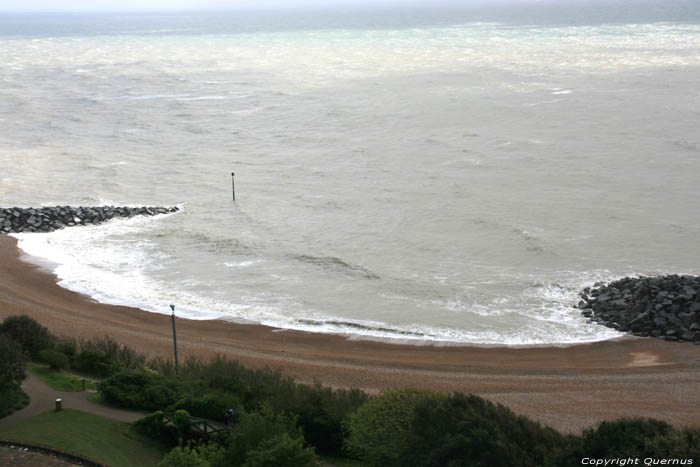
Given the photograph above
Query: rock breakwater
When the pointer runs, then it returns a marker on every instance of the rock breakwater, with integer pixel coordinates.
(666, 307)
(48, 219)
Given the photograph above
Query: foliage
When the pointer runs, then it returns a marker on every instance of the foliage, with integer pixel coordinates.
(12, 362)
(265, 438)
(138, 389)
(182, 422)
(640, 438)
(321, 412)
(116, 354)
(103, 439)
(59, 380)
(184, 456)
(466, 430)
(210, 388)
(12, 399)
(67, 346)
(56, 360)
(32, 336)
(379, 430)
(94, 362)
(151, 425)
(281, 451)
(211, 405)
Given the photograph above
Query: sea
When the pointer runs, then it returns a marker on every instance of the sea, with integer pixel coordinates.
(443, 173)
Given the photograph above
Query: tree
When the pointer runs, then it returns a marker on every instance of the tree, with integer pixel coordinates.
(31, 335)
(12, 362)
(379, 430)
(263, 439)
(636, 437)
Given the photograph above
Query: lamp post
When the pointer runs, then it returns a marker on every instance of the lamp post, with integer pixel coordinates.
(172, 317)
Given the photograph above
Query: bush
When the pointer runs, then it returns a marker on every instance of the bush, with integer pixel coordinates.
(12, 399)
(212, 406)
(266, 438)
(466, 430)
(67, 347)
(321, 412)
(638, 438)
(151, 425)
(94, 362)
(183, 423)
(281, 451)
(184, 456)
(56, 360)
(137, 389)
(32, 336)
(114, 353)
(12, 362)
(379, 430)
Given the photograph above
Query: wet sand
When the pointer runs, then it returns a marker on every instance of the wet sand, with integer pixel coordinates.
(567, 387)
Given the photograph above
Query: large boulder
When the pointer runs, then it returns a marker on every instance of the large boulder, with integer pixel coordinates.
(666, 307)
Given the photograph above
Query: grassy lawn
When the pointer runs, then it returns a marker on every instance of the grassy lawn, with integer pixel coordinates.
(60, 380)
(108, 441)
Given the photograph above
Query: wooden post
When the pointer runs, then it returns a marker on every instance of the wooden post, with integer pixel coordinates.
(233, 186)
(172, 317)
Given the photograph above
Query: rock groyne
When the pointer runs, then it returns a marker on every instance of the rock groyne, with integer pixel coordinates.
(48, 219)
(666, 307)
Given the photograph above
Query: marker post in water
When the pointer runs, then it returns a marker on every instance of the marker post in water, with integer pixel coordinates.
(177, 372)
(233, 186)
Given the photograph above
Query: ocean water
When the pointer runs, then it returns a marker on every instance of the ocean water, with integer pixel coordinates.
(415, 174)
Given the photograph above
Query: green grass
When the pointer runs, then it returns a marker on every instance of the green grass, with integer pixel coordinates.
(11, 400)
(102, 439)
(60, 380)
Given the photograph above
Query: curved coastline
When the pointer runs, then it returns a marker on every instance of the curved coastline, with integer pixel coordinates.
(568, 387)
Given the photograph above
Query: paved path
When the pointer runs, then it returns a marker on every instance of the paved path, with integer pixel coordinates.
(42, 398)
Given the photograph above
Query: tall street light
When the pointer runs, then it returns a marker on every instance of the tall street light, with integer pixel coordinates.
(172, 317)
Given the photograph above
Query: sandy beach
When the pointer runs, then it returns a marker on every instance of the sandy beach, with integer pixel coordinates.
(567, 387)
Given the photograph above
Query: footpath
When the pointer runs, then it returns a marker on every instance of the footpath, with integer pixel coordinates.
(42, 398)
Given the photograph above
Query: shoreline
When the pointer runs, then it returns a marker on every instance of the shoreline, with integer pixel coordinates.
(569, 387)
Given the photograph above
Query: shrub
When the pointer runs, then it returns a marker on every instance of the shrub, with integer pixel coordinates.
(467, 430)
(137, 389)
(116, 354)
(94, 362)
(637, 438)
(67, 347)
(12, 399)
(379, 430)
(151, 425)
(183, 423)
(32, 336)
(321, 412)
(266, 438)
(12, 362)
(281, 451)
(212, 406)
(56, 360)
(184, 456)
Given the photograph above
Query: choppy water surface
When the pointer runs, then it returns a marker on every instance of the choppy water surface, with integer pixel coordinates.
(448, 180)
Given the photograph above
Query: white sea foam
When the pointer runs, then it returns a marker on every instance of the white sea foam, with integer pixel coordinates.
(105, 263)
